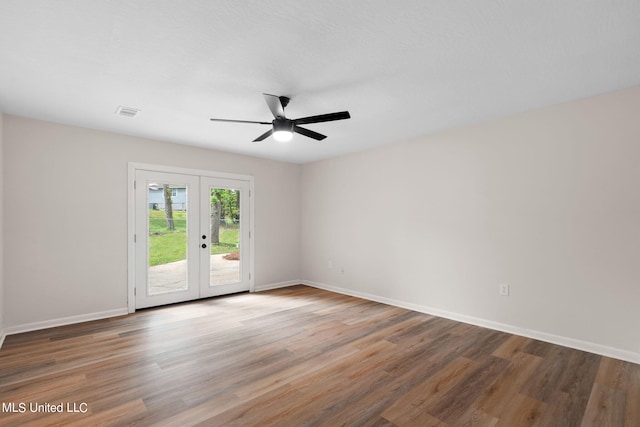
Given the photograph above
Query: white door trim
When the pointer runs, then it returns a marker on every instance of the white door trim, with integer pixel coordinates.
(131, 226)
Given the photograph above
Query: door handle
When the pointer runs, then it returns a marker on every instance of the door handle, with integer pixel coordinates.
(204, 246)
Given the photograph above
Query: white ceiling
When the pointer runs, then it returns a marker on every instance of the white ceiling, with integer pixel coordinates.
(402, 68)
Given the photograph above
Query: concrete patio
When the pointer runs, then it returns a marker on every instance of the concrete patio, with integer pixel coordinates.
(172, 276)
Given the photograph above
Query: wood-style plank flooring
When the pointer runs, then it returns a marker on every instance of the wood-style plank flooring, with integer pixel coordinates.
(301, 356)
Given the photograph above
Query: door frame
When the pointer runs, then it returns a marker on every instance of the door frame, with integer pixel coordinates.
(131, 218)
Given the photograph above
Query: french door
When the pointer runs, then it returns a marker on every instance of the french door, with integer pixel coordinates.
(191, 237)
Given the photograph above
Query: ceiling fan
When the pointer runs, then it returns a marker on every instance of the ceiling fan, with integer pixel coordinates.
(283, 128)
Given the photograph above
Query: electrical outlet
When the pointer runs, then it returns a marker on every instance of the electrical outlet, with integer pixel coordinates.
(504, 289)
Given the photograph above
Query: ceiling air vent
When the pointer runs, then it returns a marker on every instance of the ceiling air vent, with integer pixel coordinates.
(127, 111)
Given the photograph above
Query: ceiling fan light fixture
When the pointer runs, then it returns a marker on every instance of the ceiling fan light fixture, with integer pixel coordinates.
(282, 130)
(282, 135)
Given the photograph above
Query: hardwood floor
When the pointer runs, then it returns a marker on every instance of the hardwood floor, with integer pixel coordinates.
(301, 356)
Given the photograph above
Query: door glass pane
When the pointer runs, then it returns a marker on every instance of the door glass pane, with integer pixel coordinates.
(167, 207)
(224, 217)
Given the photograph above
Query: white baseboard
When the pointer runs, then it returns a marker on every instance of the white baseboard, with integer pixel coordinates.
(590, 347)
(2, 337)
(277, 285)
(27, 327)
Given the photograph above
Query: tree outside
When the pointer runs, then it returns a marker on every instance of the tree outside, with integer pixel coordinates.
(168, 228)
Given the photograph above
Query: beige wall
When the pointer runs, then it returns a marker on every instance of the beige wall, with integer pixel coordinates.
(547, 202)
(66, 216)
(1, 230)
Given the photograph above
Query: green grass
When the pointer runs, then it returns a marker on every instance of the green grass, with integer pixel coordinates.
(171, 245)
(228, 241)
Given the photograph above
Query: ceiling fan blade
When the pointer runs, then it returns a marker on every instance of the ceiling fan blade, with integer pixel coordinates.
(275, 105)
(323, 118)
(263, 136)
(239, 121)
(311, 134)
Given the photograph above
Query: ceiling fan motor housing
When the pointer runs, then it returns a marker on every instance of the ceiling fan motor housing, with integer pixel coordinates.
(282, 124)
